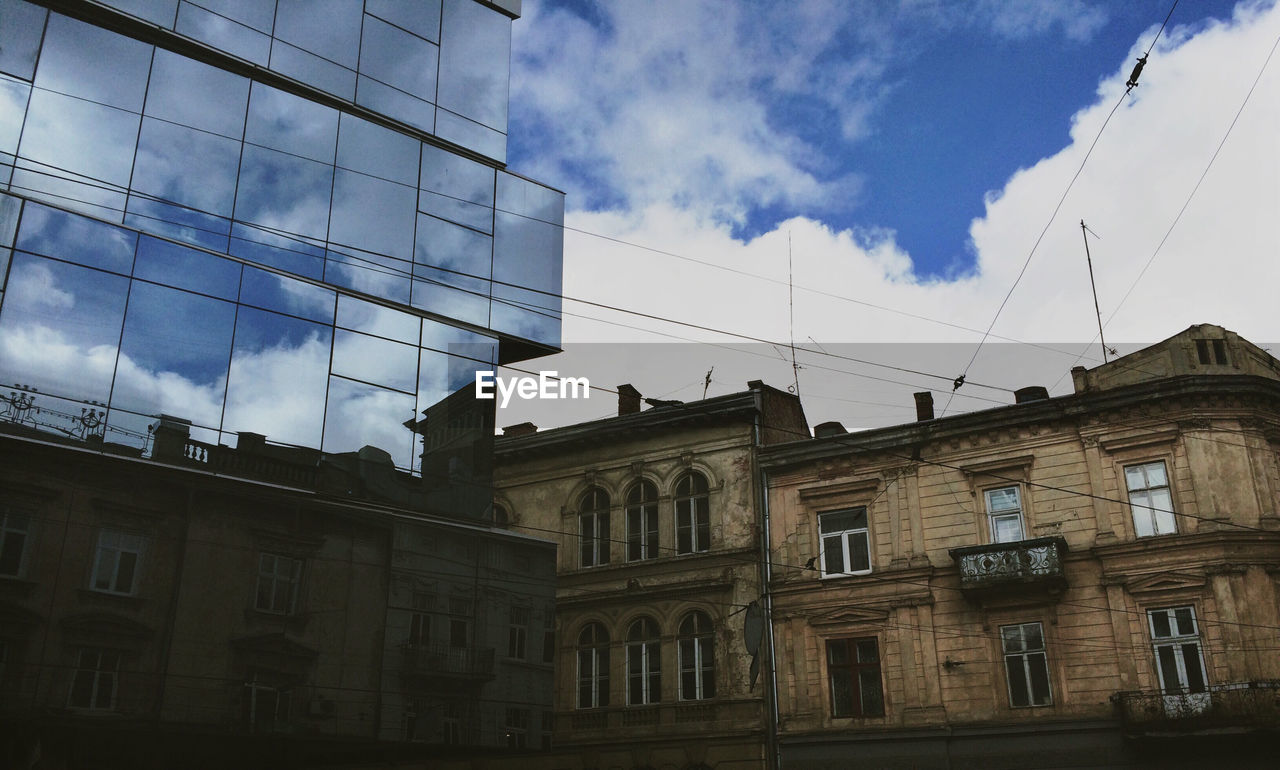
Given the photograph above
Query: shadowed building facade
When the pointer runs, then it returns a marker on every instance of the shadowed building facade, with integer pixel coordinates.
(1081, 581)
(271, 234)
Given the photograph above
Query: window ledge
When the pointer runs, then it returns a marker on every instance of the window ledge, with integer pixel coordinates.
(294, 621)
(842, 575)
(96, 596)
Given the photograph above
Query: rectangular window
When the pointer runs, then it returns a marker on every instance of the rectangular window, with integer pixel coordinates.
(1004, 514)
(1026, 665)
(14, 531)
(846, 545)
(548, 727)
(853, 670)
(549, 637)
(518, 633)
(642, 532)
(94, 685)
(593, 532)
(419, 629)
(116, 564)
(459, 622)
(517, 728)
(278, 579)
(1150, 499)
(693, 524)
(1175, 638)
(266, 703)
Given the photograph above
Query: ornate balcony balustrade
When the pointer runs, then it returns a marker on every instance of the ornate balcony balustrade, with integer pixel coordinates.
(440, 660)
(1234, 706)
(1002, 567)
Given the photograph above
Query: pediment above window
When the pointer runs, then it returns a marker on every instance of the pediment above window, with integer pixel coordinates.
(850, 616)
(1165, 581)
(105, 625)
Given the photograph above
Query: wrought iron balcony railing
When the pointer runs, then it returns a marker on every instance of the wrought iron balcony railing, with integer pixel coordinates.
(1011, 566)
(1235, 706)
(440, 660)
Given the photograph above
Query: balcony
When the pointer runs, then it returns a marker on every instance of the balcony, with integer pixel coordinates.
(1027, 566)
(1235, 707)
(440, 661)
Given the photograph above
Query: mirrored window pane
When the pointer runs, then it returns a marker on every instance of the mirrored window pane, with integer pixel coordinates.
(20, 37)
(327, 28)
(223, 33)
(185, 268)
(89, 62)
(287, 295)
(527, 252)
(181, 165)
(371, 149)
(313, 70)
(456, 188)
(174, 354)
(398, 59)
(270, 248)
(9, 208)
(257, 14)
(475, 45)
(363, 316)
(68, 137)
(285, 193)
(452, 296)
(195, 94)
(398, 104)
(289, 123)
(159, 12)
(276, 354)
(479, 348)
(181, 223)
(376, 360)
(13, 107)
(59, 328)
(369, 273)
(470, 134)
(361, 415)
(452, 266)
(59, 234)
(372, 215)
(421, 17)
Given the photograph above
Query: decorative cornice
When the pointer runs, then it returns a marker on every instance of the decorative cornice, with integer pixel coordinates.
(1139, 442)
(860, 486)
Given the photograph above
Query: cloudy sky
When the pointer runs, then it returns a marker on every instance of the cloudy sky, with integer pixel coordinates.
(901, 161)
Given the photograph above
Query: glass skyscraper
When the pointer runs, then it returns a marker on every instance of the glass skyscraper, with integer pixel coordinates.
(290, 218)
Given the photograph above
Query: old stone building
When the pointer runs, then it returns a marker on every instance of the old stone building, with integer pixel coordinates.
(1081, 581)
(658, 519)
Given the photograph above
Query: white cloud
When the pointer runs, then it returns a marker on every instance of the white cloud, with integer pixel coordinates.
(1219, 265)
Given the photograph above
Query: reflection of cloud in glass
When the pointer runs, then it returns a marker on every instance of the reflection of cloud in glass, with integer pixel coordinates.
(375, 360)
(360, 415)
(82, 60)
(74, 238)
(198, 95)
(186, 166)
(284, 192)
(370, 318)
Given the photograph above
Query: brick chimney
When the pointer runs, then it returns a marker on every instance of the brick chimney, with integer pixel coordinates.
(924, 406)
(628, 400)
(523, 429)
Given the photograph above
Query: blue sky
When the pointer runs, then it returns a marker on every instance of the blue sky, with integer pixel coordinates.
(900, 164)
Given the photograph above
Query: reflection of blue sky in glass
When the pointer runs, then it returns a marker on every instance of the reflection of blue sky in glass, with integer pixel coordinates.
(361, 414)
(370, 318)
(59, 327)
(284, 192)
(185, 268)
(291, 124)
(472, 33)
(174, 354)
(20, 38)
(269, 248)
(186, 166)
(421, 18)
(82, 60)
(375, 360)
(287, 295)
(195, 94)
(66, 236)
(222, 33)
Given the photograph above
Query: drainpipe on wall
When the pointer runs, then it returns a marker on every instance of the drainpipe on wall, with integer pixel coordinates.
(773, 757)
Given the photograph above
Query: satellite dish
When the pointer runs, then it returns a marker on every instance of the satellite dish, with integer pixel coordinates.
(753, 627)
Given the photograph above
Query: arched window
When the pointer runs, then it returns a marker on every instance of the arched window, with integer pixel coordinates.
(593, 667)
(593, 527)
(642, 521)
(697, 647)
(644, 663)
(500, 516)
(693, 514)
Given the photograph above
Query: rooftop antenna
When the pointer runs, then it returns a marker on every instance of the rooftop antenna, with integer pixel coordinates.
(707, 382)
(1085, 232)
(791, 311)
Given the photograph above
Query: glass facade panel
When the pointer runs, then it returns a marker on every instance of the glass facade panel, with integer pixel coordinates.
(421, 17)
(53, 233)
(475, 45)
(91, 63)
(289, 123)
(313, 70)
(283, 193)
(223, 32)
(398, 59)
(197, 95)
(372, 215)
(365, 415)
(374, 319)
(159, 12)
(327, 28)
(376, 360)
(183, 268)
(20, 37)
(371, 149)
(527, 252)
(457, 189)
(301, 257)
(195, 169)
(272, 291)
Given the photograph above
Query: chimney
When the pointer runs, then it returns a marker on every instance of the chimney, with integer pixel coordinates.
(171, 436)
(924, 405)
(628, 400)
(1030, 393)
(825, 429)
(523, 429)
(250, 442)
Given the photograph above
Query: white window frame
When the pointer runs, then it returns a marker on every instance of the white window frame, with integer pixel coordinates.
(110, 558)
(593, 529)
(597, 655)
(1020, 655)
(291, 577)
(642, 521)
(1176, 642)
(696, 648)
(517, 727)
(847, 538)
(102, 669)
(1155, 521)
(996, 516)
(254, 692)
(648, 653)
(693, 513)
(518, 633)
(12, 527)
